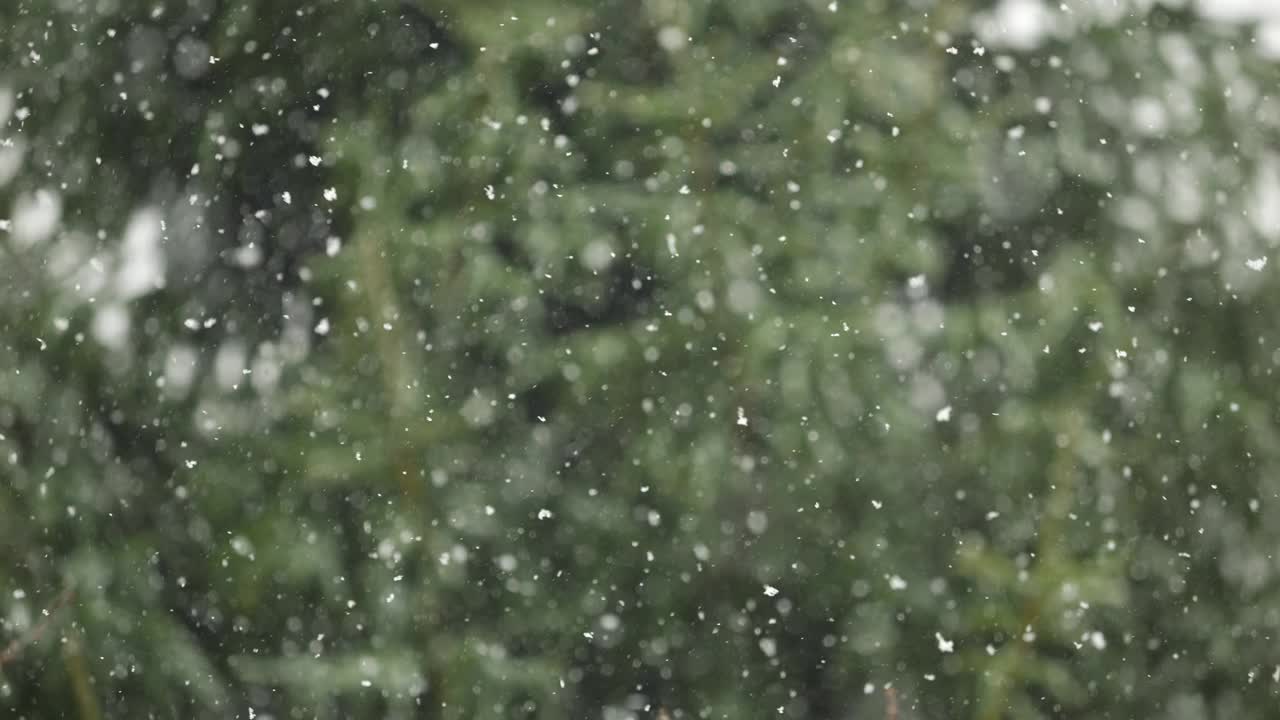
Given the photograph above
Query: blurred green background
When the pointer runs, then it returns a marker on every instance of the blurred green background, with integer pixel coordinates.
(581, 359)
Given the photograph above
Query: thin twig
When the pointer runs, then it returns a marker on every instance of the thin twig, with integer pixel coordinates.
(81, 681)
(20, 643)
(891, 703)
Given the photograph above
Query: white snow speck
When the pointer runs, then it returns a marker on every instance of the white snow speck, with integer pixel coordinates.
(742, 417)
(544, 514)
(897, 583)
(945, 645)
(1256, 264)
(770, 590)
(286, 197)
(331, 194)
(943, 414)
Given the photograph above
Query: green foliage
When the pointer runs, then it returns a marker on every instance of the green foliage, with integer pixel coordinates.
(502, 360)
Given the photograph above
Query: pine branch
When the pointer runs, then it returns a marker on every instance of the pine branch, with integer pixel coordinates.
(890, 703)
(32, 636)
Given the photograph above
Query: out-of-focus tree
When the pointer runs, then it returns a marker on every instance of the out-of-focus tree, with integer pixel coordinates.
(577, 359)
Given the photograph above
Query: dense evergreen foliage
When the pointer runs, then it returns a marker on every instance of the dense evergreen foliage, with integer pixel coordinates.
(582, 359)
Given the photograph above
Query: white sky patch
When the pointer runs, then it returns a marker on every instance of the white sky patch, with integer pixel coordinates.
(1150, 116)
(1239, 10)
(672, 39)
(141, 267)
(1018, 24)
(35, 217)
(180, 368)
(111, 326)
(1268, 39)
(229, 364)
(11, 154)
(1264, 210)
